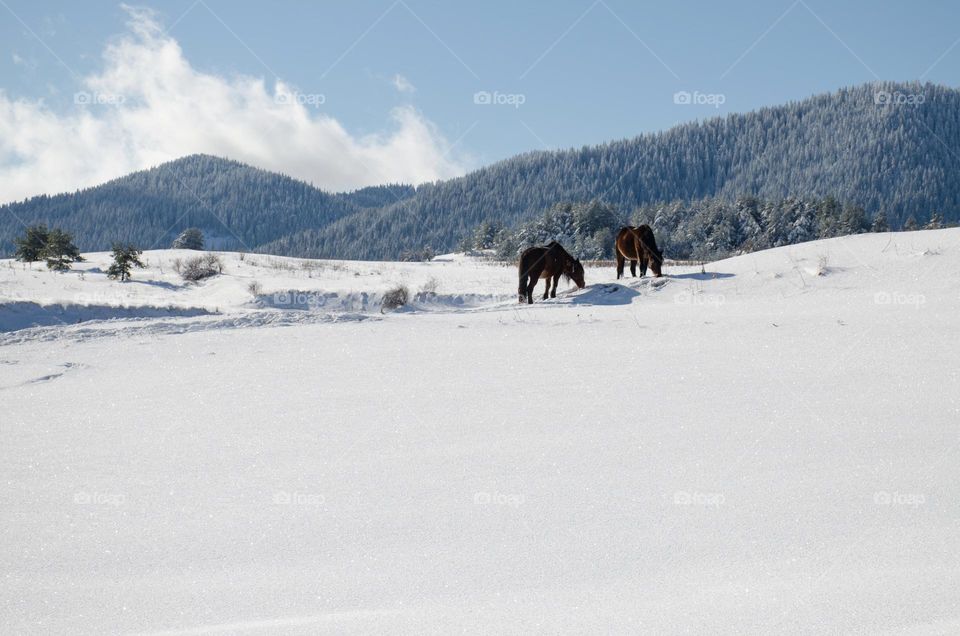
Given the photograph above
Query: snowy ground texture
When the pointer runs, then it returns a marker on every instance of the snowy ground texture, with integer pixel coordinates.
(766, 446)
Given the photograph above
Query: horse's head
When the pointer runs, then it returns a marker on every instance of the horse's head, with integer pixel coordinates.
(574, 269)
(656, 260)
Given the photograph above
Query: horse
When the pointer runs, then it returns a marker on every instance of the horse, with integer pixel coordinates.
(638, 245)
(549, 262)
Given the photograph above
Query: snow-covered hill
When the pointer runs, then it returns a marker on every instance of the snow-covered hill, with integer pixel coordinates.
(768, 444)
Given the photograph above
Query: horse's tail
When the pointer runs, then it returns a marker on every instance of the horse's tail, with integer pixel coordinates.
(523, 279)
(620, 258)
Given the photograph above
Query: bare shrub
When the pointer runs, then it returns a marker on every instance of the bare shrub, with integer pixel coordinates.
(431, 286)
(823, 265)
(279, 264)
(395, 298)
(255, 288)
(200, 267)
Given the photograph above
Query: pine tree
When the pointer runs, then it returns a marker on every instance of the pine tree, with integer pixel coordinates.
(853, 220)
(911, 225)
(485, 235)
(30, 246)
(190, 239)
(828, 218)
(60, 251)
(880, 223)
(125, 257)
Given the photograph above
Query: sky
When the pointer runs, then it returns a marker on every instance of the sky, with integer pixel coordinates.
(347, 94)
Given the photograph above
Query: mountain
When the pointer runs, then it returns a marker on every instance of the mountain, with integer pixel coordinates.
(893, 148)
(238, 206)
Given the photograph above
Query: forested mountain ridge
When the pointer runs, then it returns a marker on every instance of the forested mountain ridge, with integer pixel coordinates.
(892, 148)
(238, 206)
(864, 145)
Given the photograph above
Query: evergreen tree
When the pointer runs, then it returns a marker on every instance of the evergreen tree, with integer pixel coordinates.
(30, 246)
(880, 223)
(805, 226)
(829, 218)
(853, 220)
(485, 235)
(911, 225)
(125, 257)
(190, 239)
(60, 251)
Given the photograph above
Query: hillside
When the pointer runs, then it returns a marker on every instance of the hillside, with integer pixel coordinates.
(238, 206)
(892, 158)
(767, 445)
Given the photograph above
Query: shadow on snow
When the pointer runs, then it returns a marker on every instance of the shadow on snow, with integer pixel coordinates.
(606, 294)
(700, 275)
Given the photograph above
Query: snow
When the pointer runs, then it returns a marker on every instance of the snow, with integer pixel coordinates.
(768, 444)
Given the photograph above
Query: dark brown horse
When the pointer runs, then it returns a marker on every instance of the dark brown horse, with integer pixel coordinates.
(550, 262)
(637, 245)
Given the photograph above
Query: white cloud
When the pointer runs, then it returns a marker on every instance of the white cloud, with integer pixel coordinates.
(148, 105)
(402, 84)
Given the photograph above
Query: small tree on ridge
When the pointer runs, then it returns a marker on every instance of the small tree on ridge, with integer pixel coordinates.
(190, 239)
(125, 257)
(60, 251)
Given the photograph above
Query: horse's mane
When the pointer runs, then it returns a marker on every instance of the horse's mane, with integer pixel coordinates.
(553, 245)
(565, 256)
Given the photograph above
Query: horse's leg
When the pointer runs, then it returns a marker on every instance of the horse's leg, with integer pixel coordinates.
(546, 292)
(523, 287)
(643, 267)
(621, 261)
(556, 279)
(534, 274)
(633, 268)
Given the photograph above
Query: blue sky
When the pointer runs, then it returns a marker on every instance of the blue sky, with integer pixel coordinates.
(393, 75)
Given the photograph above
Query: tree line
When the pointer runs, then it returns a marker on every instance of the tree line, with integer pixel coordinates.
(707, 229)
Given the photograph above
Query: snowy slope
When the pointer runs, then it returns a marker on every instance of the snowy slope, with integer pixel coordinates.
(769, 445)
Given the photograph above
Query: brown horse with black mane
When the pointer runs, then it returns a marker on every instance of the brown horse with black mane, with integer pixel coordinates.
(550, 262)
(637, 245)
